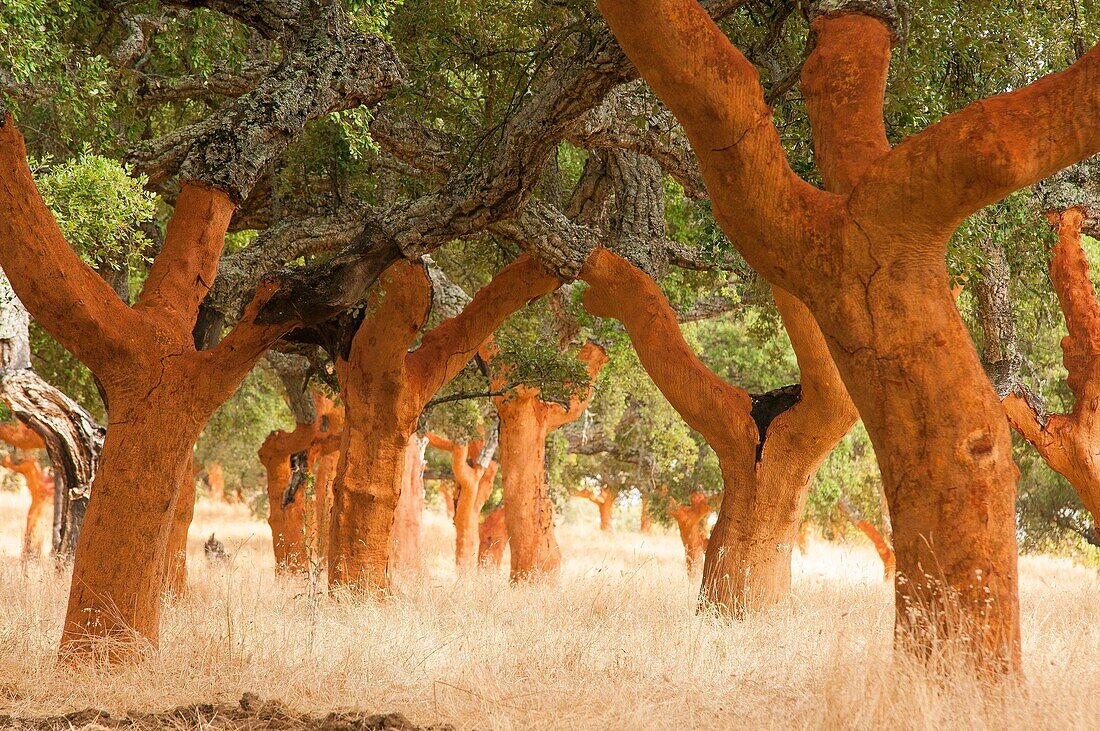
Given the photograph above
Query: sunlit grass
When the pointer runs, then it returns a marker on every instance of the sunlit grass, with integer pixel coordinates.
(616, 645)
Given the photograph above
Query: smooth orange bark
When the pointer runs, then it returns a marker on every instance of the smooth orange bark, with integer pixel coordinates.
(767, 477)
(287, 522)
(215, 479)
(160, 390)
(691, 522)
(525, 422)
(473, 485)
(408, 516)
(1068, 442)
(867, 257)
(492, 538)
(605, 501)
(384, 389)
(175, 565)
(41, 487)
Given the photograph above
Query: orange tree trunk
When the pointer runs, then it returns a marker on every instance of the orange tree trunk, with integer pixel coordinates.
(175, 566)
(768, 452)
(645, 525)
(604, 502)
(41, 488)
(215, 478)
(690, 521)
(408, 517)
(492, 538)
(473, 485)
(868, 258)
(525, 422)
(160, 390)
(384, 390)
(881, 543)
(286, 521)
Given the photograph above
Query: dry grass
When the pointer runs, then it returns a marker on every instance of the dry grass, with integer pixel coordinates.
(617, 645)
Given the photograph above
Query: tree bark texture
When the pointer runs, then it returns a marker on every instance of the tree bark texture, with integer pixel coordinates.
(867, 256)
(525, 423)
(385, 387)
(768, 451)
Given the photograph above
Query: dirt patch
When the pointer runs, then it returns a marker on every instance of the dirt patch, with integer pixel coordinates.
(251, 714)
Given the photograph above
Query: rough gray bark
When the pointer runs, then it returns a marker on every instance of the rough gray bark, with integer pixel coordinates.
(294, 371)
(1001, 355)
(327, 67)
(1076, 186)
(474, 199)
(73, 439)
(890, 12)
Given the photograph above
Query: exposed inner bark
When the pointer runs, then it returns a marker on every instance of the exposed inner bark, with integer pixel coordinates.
(525, 423)
(1067, 442)
(408, 516)
(867, 258)
(605, 501)
(691, 522)
(474, 471)
(768, 451)
(492, 538)
(385, 387)
(160, 391)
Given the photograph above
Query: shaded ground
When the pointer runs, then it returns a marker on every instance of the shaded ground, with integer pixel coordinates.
(251, 714)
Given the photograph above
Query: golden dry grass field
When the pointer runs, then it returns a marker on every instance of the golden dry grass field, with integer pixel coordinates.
(616, 645)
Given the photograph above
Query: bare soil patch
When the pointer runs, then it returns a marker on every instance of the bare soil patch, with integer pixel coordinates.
(250, 714)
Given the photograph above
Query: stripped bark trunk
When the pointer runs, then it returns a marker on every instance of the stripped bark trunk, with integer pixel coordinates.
(175, 566)
(769, 447)
(474, 472)
(384, 389)
(867, 257)
(690, 521)
(525, 423)
(408, 516)
(492, 538)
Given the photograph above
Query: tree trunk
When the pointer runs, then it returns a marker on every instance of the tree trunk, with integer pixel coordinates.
(215, 478)
(120, 564)
(607, 505)
(693, 533)
(41, 488)
(385, 389)
(282, 455)
(492, 538)
(946, 464)
(527, 508)
(867, 257)
(408, 517)
(645, 525)
(175, 565)
(769, 447)
(525, 422)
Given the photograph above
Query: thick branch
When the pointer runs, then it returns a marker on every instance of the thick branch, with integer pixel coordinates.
(980, 154)
(447, 348)
(185, 268)
(715, 92)
(844, 83)
(1069, 272)
(61, 292)
(714, 408)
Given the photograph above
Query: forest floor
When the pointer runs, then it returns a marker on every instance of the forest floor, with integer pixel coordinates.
(616, 645)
